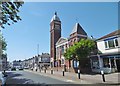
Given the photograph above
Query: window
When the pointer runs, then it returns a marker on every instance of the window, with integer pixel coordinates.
(74, 40)
(106, 44)
(106, 63)
(111, 43)
(116, 42)
(75, 63)
(62, 61)
(95, 63)
(62, 49)
(112, 63)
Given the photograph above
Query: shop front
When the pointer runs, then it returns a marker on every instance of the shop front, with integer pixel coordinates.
(108, 63)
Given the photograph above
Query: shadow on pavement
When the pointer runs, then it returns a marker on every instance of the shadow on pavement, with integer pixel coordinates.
(13, 74)
(15, 79)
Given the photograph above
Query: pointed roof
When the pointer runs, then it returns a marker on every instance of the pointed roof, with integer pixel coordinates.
(77, 28)
(61, 40)
(55, 17)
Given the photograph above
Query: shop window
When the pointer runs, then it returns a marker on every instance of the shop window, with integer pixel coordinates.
(95, 64)
(112, 63)
(106, 62)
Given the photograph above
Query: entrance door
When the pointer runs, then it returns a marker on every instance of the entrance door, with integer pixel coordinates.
(118, 64)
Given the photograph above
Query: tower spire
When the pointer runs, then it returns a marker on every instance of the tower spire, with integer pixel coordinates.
(55, 17)
(76, 20)
(55, 12)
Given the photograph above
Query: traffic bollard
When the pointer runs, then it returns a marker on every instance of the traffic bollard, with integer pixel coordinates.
(51, 71)
(78, 74)
(63, 73)
(103, 77)
(45, 71)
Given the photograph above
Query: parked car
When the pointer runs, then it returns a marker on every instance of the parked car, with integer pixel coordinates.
(20, 68)
(13, 69)
(26, 67)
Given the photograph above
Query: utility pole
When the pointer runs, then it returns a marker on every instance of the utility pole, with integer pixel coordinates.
(37, 49)
(37, 56)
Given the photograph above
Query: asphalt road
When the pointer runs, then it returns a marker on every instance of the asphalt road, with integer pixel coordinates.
(24, 77)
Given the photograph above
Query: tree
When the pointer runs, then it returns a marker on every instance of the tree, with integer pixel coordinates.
(84, 48)
(3, 43)
(70, 53)
(80, 50)
(9, 12)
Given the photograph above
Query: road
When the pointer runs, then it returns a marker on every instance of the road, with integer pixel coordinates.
(24, 77)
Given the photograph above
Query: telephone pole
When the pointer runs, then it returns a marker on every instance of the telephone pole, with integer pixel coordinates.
(37, 49)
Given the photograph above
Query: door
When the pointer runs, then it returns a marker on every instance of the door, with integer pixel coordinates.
(118, 64)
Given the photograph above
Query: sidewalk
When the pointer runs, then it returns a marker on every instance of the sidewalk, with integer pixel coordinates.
(85, 78)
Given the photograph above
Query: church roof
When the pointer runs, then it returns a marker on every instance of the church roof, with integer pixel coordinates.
(77, 28)
(61, 40)
(55, 17)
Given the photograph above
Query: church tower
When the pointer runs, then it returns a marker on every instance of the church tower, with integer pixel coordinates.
(55, 34)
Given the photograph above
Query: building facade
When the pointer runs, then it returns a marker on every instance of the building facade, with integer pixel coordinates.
(44, 60)
(108, 58)
(61, 46)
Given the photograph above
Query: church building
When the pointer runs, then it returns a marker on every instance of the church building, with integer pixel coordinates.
(59, 44)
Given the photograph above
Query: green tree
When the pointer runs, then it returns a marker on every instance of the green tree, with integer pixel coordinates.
(84, 48)
(80, 50)
(3, 43)
(70, 53)
(9, 12)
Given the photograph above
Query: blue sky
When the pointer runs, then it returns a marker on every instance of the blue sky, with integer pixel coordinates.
(97, 19)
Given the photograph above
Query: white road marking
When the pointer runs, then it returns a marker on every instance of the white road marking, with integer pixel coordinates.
(69, 81)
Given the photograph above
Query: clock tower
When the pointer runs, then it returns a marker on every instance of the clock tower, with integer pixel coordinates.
(55, 34)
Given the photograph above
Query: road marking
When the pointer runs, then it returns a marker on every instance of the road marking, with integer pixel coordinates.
(69, 81)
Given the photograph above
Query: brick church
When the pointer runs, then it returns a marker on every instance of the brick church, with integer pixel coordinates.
(59, 44)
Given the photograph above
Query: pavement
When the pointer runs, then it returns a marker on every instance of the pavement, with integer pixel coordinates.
(16, 78)
(110, 79)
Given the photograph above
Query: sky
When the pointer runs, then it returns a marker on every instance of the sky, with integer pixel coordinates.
(96, 18)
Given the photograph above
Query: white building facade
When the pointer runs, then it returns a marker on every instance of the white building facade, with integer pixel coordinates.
(108, 58)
